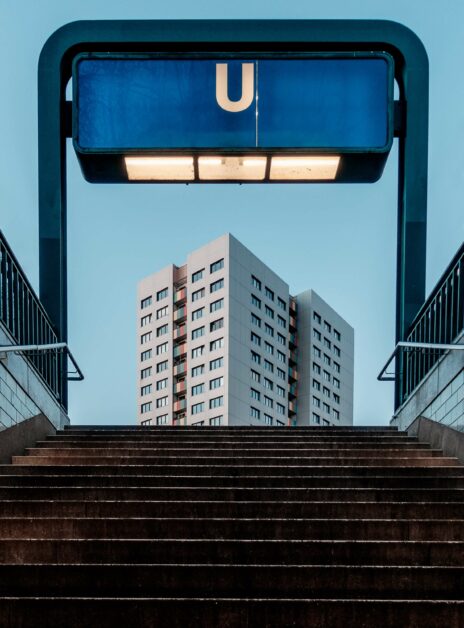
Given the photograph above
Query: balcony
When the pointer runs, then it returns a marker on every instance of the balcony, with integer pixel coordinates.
(292, 390)
(180, 332)
(180, 314)
(293, 340)
(180, 350)
(180, 387)
(293, 356)
(180, 295)
(292, 407)
(293, 322)
(180, 369)
(179, 405)
(293, 374)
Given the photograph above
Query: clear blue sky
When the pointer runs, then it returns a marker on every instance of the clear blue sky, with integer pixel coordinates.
(339, 240)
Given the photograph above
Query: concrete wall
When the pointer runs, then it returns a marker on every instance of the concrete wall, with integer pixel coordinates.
(439, 396)
(438, 436)
(23, 393)
(15, 439)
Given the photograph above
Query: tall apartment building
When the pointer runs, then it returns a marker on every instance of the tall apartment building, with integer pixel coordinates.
(222, 342)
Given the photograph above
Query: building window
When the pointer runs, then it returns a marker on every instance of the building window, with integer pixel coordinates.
(216, 402)
(316, 318)
(316, 368)
(161, 331)
(216, 344)
(162, 383)
(316, 402)
(217, 285)
(327, 343)
(255, 413)
(336, 366)
(146, 422)
(336, 398)
(269, 293)
(216, 305)
(198, 407)
(269, 348)
(268, 402)
(255, 357)
(255, 301)
(144, 338)
(280, 408)
(162, 312)
(215, 364)
(268, 384)
(198, 275)
(268, 366)
(198, 389)
(198, 332)
(326, 408)
(255, 394)
(215, 325)
(326, 359)
(216, 383)
(196, 314)
(144, 373)
(145, 320)
(198, 294)
(162, 419)
(162, 348)
(269, 311)
(145, 355)
(325, 423)
(280, 373)
(316, 352)
(255, 320)
(327, 327)
(145, 407)
(216, 420)
(281, 356)
(336, 382)
(162, 294)
(279, 423)
(269, 330)
(161, 366)
(326, 391)
(255, 339)
(337, 335)
(255, 283)
(281, 339)
(282, 322)
(267, 419)
(326, 376)
(162, 402)
(316, 334)
(198, 370)
(280, 391)
(256, 377)
(316, 418)
(216, 265)
(146, 302)
(281, 303)
(336, 414)
(145, 390)
(198, 351)
(336, 350)
(316, 384)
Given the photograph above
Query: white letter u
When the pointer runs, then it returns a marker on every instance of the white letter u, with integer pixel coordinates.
(222, 88)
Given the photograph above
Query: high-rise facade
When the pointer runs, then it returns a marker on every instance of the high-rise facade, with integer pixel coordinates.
(220, 341)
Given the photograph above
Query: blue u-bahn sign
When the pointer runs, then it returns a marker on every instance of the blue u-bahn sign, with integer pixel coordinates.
(294, 108)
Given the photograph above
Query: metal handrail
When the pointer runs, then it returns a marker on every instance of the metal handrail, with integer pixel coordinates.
(56, 346)
(383, 376)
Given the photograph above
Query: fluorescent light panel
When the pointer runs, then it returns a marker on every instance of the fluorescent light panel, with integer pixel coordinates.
(248, 168)
(159, 168)
(304, 168)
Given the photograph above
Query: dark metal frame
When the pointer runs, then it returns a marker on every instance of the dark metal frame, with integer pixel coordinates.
(54, 119)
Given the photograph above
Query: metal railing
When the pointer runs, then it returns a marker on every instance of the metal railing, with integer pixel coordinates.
(434, 331)
(29, 326)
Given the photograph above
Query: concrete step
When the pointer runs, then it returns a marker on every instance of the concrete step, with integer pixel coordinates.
(161, 461)
(436, 529)
(244, 551)
(276, 581)
(228, 613)
(234, 429)
(284, 494)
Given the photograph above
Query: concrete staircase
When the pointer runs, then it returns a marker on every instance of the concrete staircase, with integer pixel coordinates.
(231, 527)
